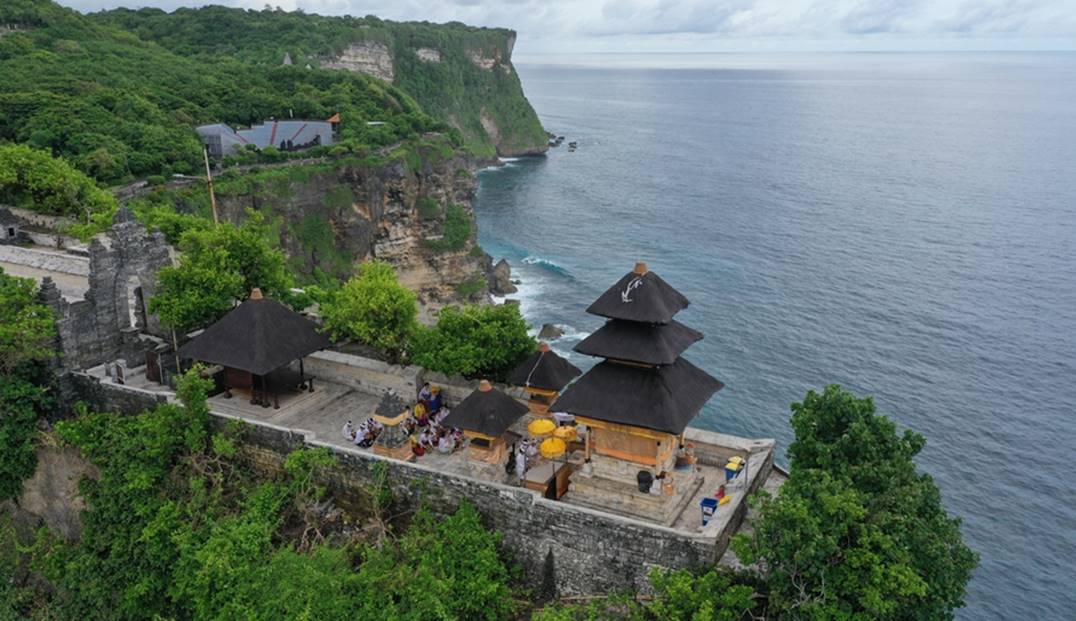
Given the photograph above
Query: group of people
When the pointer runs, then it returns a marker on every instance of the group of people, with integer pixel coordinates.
(423, 426)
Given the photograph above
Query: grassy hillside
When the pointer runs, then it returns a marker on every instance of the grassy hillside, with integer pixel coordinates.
(454, 89)
(118, 107)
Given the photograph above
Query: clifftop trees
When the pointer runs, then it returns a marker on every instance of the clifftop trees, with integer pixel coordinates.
(375, 309)
(857, 532)
(219, 267)
(474, 341)
(34, 179)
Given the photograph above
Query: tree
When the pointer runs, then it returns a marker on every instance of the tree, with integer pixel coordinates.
(375, 309)
(27, 331)
(36, 180)
(27, 328)
(474, 341)
(219, 266)
(856, 532)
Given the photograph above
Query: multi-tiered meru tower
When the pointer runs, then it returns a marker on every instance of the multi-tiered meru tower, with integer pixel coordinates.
(637, 401)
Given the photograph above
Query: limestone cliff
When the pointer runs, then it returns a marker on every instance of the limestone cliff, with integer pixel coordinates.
(462, 75)
(411, 208)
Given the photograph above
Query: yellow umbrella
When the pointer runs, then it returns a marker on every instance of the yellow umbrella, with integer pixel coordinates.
(552, 447)
(541, 427)
(565, 433)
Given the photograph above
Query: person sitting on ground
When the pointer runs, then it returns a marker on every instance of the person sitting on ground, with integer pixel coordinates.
(427, 438)
(425, 394)
(435, 402)
(348, 432)
(367, 440)
(416, 446)
(421, 416)
(445, 443)
(440, 416)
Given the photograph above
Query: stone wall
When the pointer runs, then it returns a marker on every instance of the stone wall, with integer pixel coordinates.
(585, 551)
(112, 321)
(582, 551)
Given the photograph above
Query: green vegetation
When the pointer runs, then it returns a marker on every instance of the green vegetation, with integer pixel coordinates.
(117, 107)
(375, 309)
(474, 341)
(455, 89)
(33, 179)
(428, 209)
(456, 233)
(27, 332)
(178, 528)
(715, 595)
(219, 266)
(468, 288)
(857, 532)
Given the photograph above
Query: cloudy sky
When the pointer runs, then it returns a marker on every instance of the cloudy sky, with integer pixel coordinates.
(573, 26)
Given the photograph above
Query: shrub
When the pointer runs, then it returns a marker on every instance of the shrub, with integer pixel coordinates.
(373, 308)
(474, 341)
(456, 232)
(428, 209)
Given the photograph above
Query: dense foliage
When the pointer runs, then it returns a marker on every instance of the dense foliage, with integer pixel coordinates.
(373, 308)
(117, 107)
(456, 232)
(34, 179)
(454, 89)
(714, 595)
(474, 341)
(27, 333)
(220, 266)
(177, 528)
(857, 532)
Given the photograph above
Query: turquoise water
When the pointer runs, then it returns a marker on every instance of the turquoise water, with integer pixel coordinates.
(904, 225)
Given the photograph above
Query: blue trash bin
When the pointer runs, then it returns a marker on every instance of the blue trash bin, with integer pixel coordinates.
(708, 506)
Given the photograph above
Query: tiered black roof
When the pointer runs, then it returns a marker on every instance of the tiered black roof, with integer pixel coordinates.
(662, 398)
(258, 336)
(641, 296)
(643, 382)
(545, 370)
(639, 342)
(487, 411)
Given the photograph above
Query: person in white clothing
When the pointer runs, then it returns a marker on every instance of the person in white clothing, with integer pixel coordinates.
(521, 461)
(348, 432)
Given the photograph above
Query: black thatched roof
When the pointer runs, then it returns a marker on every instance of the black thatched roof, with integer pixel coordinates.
(641, 295)
(639, 342)
(545, 370)
(662, 398)
(489, 412)
(258, 336)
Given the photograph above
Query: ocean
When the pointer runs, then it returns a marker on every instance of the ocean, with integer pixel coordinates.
(901, 224)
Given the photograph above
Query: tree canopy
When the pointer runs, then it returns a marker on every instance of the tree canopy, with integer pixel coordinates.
(856, 532)
(27, 333)
(373, 308)
(32, 178)
(219, 266)
(486, 341)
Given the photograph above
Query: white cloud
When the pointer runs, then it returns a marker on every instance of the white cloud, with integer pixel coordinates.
(716, 25)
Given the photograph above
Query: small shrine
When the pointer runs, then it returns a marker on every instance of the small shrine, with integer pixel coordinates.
(542, 376)
(393, 440)
(637, 402)
(485, 416)
(255, 345)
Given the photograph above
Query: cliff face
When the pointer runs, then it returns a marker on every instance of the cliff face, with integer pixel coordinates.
(413, 210)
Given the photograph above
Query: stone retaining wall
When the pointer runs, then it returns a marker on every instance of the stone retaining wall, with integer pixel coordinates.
(46, 260)
(579, 550)
(583, 551)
